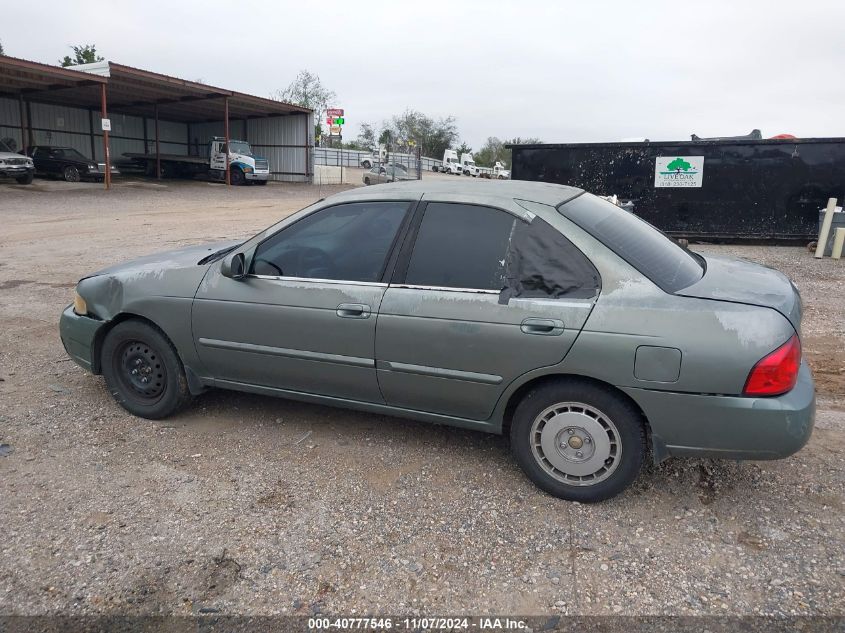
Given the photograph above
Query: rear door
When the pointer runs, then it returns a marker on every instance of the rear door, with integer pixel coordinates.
(304, 318)
(457, 324)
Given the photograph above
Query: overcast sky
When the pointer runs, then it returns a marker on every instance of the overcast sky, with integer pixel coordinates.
(560, 71)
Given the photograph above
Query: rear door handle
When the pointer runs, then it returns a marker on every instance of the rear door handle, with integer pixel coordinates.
(542, 327)
(353, 311)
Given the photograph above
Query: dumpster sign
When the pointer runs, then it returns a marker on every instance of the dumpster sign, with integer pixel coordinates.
(678, 171)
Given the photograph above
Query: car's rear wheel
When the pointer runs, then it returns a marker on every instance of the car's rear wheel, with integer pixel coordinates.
(366, 181)
(143, 371)
(71, 174)
(578, 441)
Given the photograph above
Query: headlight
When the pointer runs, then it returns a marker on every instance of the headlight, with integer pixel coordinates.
(247, 170)
(2, 163)
(29, 162)
(92, 167)
(79, 305)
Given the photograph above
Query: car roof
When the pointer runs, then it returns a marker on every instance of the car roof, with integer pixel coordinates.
(543, 192)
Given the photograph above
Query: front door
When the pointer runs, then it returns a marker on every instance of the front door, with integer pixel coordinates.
(304, 318)
(448, 339)
(218, 155)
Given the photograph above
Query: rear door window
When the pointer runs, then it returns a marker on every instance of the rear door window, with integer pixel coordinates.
(655, 255)
(461, 246)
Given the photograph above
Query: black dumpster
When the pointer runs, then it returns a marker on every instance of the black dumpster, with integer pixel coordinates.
(717, 189)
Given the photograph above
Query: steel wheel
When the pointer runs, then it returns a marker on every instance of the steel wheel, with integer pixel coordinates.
(576, 444)
(141, 371)
(71, 174)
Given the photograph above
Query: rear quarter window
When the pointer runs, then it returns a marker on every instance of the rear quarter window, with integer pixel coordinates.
(655, 255)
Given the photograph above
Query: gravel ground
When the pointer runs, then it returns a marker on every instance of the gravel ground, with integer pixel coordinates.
(252, 505)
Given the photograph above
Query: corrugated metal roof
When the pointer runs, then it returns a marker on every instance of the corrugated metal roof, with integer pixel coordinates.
(132, 91)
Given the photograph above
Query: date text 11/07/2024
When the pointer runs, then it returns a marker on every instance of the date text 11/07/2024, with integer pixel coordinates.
(416, 624)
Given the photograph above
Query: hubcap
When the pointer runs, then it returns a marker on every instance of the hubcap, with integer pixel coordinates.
(576, 443)
(141, 370)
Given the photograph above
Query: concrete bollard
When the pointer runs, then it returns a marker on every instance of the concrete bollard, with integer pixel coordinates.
(828, 220)
(838, 242)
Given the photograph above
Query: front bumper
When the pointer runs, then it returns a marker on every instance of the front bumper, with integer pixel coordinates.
(79, 334)
(16, 171)
(731, 427)
(257, 176)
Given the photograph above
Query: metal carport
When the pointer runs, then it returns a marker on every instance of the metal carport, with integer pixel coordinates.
(150, 113)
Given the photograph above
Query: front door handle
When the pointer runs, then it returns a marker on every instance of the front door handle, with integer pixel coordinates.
(542, 327)
(353, 311)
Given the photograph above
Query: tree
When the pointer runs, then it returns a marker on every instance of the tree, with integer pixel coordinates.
(678, 164)
(2, 52)
(494, 150)
(432, 136)
(366, 137)
(308, 91)
(464, 149)
(85, 54)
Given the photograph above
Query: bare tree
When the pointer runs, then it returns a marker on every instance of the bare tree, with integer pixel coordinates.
(308, 91)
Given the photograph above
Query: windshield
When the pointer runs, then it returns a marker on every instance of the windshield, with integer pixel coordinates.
(240, 147)
(636, 241)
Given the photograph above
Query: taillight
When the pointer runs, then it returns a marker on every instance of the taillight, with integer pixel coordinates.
(776, 373)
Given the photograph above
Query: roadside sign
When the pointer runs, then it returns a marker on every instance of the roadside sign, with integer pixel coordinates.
(329, 120)
(678, 171)
(334, 112)
(335, 130)
(106, 125)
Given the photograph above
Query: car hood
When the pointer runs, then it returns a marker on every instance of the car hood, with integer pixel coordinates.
(187, 257)
(740, 281)
(172, 274)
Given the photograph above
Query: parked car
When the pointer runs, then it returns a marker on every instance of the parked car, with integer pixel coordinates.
(67, 163)
(385, 173)
(525, 308)
(15, 166)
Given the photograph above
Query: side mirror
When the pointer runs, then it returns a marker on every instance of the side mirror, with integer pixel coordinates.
(234, 266)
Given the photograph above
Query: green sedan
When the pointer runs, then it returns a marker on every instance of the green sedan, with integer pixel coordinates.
(535, 310)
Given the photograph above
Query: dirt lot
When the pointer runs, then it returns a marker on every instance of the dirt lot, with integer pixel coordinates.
(252, 505)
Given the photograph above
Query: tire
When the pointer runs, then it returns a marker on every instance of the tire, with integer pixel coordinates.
(259, 182)
(595, 417)
(24, 180)
(134, 351)
(366, 181)
(71, 174)
(366, 164)
(236, 177)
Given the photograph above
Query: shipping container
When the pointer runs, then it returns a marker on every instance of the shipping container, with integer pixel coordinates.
(718, 189)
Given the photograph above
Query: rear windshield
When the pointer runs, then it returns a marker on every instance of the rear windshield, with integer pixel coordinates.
(636, 241)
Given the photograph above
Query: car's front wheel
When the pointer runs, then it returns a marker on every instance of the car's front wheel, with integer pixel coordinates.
(578, 440)
(24, 180)
(143, 371)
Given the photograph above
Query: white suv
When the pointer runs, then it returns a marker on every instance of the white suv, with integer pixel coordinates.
(12, 165)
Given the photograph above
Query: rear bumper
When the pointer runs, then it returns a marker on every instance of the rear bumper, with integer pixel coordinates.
(78, 334)
(731, 427)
